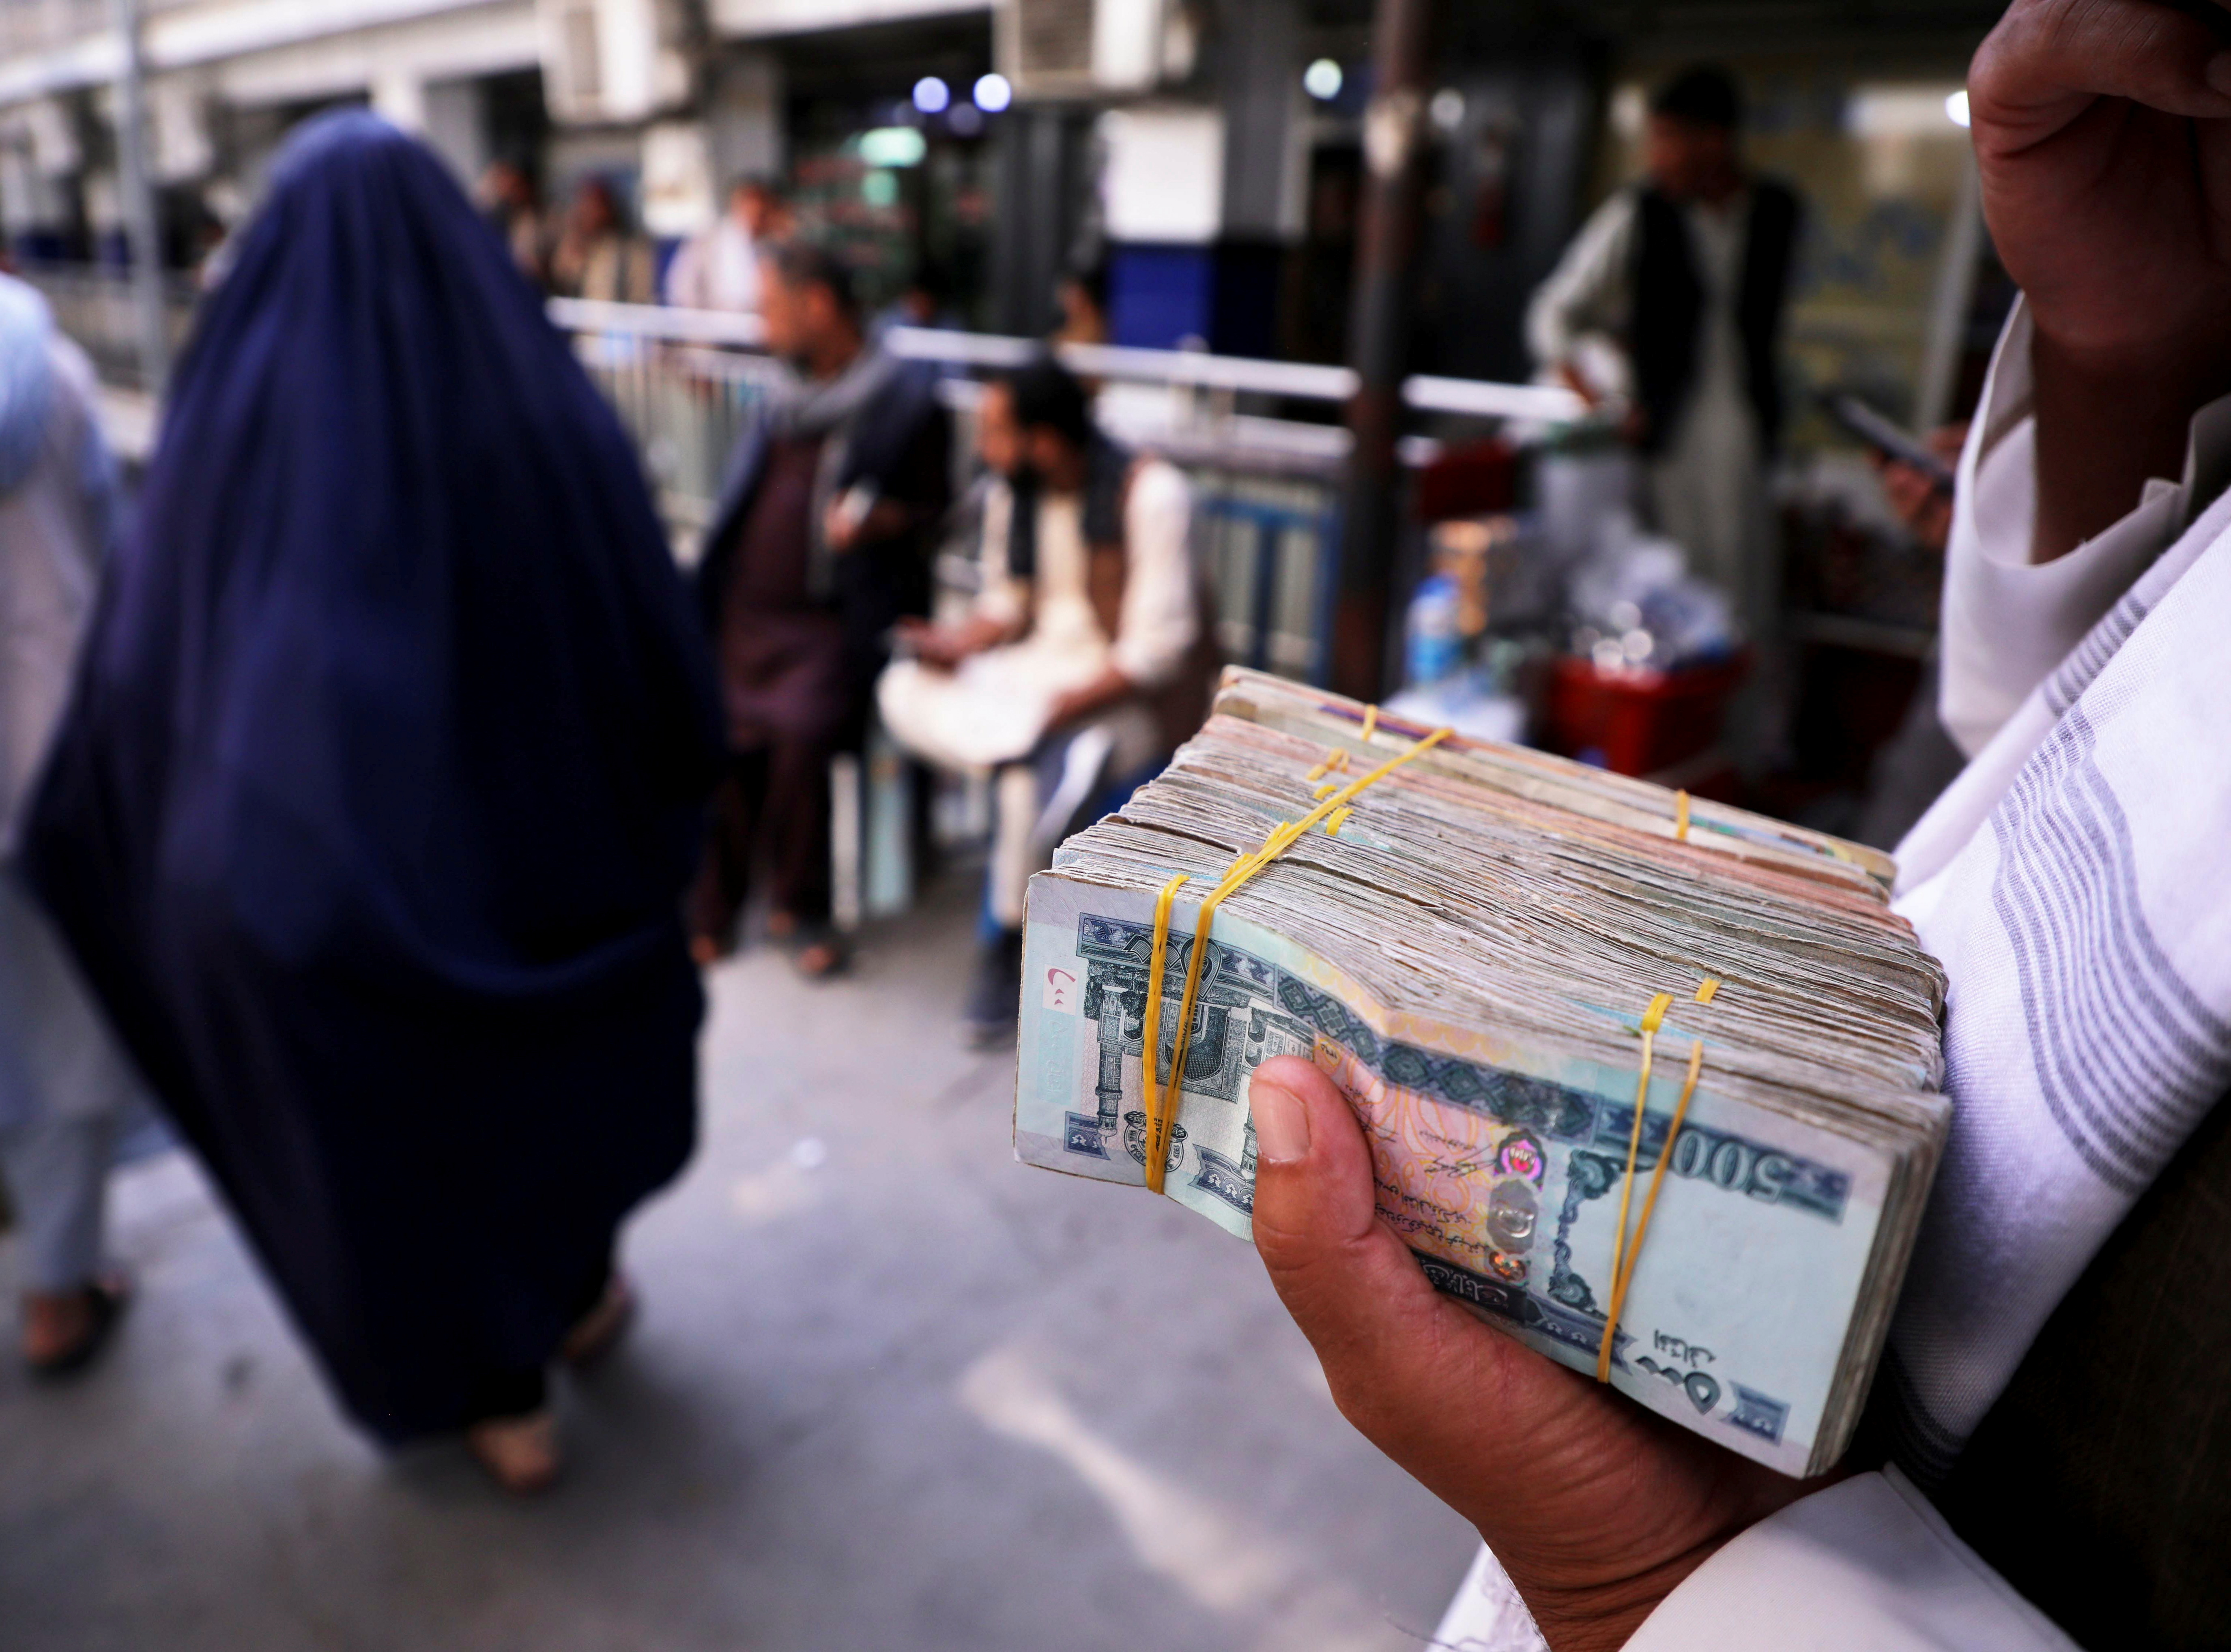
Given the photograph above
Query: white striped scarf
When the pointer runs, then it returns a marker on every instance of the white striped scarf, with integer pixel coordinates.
(2076, 883)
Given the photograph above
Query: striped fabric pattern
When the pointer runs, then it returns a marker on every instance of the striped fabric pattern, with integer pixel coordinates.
(2089, 658)
(2088, 1030)
(2128, 1057)
(1920, 1445)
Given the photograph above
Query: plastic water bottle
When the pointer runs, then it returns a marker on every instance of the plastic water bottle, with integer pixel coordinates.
(1435, 633)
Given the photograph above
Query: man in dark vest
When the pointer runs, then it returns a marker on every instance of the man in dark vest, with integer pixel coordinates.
(2051, 1461)
(1085, 659)
(819, 545)
(1673, 296)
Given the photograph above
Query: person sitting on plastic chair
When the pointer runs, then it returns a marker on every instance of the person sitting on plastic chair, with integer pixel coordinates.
(1083, 660)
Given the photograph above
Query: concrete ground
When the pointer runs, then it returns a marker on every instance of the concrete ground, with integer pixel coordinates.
(890, 1390)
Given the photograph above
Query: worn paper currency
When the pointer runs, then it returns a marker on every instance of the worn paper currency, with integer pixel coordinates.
(1500, 1166)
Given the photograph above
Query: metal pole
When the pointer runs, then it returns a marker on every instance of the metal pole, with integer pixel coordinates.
(1394, 128)
(136, 183)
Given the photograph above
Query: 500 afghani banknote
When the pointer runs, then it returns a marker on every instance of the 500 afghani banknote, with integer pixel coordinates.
(1502, 1167)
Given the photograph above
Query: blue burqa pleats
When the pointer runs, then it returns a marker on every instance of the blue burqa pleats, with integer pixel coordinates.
(380, 784)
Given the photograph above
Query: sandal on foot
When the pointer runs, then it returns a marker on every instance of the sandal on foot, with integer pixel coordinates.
(104, 1302)
(821, 954)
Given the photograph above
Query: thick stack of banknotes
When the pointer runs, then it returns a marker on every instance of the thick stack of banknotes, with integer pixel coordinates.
(1472, 953)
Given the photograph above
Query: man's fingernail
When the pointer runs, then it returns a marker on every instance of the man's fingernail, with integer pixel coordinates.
(2219, 73)
(1282, 1122)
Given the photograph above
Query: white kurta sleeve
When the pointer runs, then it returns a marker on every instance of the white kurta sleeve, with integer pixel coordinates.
(2008, 621)
(688, 278)
(1160, 616)
(999, 595)
(1866, 1565)
(1585, 301)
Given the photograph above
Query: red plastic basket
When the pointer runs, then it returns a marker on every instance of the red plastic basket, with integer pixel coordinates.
(1640, 719)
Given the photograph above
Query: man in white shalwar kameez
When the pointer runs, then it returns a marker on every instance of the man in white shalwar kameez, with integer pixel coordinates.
(1077, 667)
(718, 269)
(64, 1085)
(2060, 1469)
(1674, 291)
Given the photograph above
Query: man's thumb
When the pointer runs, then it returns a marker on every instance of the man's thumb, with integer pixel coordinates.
(1338, 1269)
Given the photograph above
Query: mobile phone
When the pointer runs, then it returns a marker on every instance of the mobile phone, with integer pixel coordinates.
(1886, 438)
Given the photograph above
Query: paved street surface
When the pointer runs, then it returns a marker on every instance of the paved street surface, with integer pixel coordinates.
(890, 1391)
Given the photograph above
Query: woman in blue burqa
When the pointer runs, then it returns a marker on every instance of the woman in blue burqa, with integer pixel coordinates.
(382, 776)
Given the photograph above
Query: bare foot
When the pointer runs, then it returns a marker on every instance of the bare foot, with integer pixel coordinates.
(519, 1453)
(600, 1329)
(704, 952)
(781, 925)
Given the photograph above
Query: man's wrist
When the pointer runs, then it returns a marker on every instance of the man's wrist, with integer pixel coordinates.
(1603, 1617)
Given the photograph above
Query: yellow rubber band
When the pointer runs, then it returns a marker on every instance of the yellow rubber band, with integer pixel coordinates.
(1151, 1023)
(1623, 1277)
(1370, 720)
(1283, 836)
(1327, 789)
(1336, 821)
(1681, 816)
(1626, 1251)
(1652, 1018)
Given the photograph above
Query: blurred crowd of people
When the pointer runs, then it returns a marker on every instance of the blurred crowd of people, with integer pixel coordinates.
(377, 817)
(592, 250)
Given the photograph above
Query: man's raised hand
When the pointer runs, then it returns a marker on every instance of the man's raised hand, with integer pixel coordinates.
(2103, 132)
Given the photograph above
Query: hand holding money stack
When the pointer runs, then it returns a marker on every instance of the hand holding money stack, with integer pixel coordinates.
(1650, 1085)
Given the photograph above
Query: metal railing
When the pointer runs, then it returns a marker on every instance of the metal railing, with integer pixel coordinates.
(97, 307)
(1189, 369)
(1266, 487)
